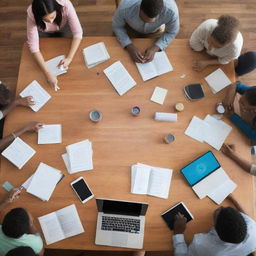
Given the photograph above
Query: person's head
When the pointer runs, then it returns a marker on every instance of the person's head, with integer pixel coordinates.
(46, 11)
(5, 94)
(225, 32)
(150, 9)
(22, 250)
(248, 100)
(16, 223)
(230, 225)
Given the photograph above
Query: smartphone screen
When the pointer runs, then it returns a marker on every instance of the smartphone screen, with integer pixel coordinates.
(82, 189)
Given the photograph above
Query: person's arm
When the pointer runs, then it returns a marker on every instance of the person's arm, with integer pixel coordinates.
(200, 65)
(31, 127)
(197, 38)
(230, 97)
(12, 196)
(236, 203)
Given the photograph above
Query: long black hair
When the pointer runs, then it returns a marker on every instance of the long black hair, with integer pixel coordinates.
(41, 8)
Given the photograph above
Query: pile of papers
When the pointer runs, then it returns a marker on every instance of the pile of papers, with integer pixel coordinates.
(53, 63)
(43, 182)
(18, 153)
(217, 80)
(78, 157)
(40, 96)
(95, 54)
(210, 130)
(150, 180)
(50, 134)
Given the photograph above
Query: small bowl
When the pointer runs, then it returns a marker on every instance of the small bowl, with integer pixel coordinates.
(95, 115)
(135, 111)
(169, 138)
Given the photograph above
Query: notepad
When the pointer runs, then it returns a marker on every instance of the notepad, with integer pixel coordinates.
(40, 96)
(50, 134)
(159, 95)
(158, 66)
(217, 80)
(61, 224)
(95, 54)
(119, 78)
(53, 63)
(18, 153)
(150, 180)
(44, 181)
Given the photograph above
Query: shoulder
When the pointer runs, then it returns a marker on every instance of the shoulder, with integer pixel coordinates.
(32, 239)
(63, 2)
(127, 4)
(170, 5)
(209, 24)
(30, 12)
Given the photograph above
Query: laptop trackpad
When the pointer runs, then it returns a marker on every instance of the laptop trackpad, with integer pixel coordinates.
(119, 238)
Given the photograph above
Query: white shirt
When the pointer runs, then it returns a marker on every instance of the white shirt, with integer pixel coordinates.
(1, 115)
(209, 244)
(199, 41)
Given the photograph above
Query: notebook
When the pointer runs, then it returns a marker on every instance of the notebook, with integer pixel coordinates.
(169, 216)
(95, 54)
(53, 63)
(50, 134)
(61, 224)
(217, 80)
(39, 95)
(159, 95)
(194, 91)
(158, 66)
(18, 153)
(119, 77)
(150, 180)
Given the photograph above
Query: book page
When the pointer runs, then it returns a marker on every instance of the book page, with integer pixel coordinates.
(141, 179)
(159, 182)
(70, 221)
(147, 70)
(159, 95)
(162, 63)
(119, 77)
(40, 96)
(51, 228)
(65, 158)
(53, 63)
(18, 152)
(50, 134)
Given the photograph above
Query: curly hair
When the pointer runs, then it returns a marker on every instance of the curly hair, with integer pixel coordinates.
(22, 250)
(151, 7)
(5, 94)
(250, 95)
(226, 29)
(231, 226)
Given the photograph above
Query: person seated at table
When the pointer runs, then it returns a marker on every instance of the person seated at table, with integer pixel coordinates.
(17, 228)
(52, 18)
(234, 233)
(21, 251)
(229, 151)
(246, 123)
(245, 63)
(30, 127)
(220, 38)
(146, 18)
(7, 103)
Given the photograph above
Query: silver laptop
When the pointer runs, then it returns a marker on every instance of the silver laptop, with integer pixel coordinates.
(120, 223)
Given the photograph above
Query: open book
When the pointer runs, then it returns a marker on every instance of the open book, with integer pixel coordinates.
(158, 66)
(61, 224)
(53, 63)
(40, 96)
(18, 153)
(95, 54)
(119, 77)
(154, 181)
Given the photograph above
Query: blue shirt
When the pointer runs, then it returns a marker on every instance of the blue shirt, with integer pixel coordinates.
(128, 13)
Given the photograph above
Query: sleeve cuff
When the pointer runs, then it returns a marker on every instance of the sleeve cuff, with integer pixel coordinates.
(1, 115)
(253, 169)
(179, 238)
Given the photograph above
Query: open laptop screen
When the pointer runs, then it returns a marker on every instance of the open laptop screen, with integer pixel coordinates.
(200, 168)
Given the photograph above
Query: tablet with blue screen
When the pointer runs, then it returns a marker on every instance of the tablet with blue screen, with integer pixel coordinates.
(200, 168)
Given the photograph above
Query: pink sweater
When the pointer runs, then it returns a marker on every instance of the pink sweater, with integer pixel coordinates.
(68, 15)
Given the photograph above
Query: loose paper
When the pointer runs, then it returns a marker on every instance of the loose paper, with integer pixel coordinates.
(158, 95)
(50, 134)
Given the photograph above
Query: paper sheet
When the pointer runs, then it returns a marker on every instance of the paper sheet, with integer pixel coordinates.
(18, 153)
(50, 134)
(159, 95)
(66, 162)
(53, 63)
(40, 96)
(141, 178)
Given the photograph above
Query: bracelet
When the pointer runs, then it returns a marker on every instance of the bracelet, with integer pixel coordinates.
(14, 136)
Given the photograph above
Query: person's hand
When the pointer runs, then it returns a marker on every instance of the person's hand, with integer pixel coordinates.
(135, 53)
(150, 53)
(33, 127)
(64, 63)
(26, 102)
(228, 149)
(199, 65)
(13, 195)
(179, 224)
(52, 81)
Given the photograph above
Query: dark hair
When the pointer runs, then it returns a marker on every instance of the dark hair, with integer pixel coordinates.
(22, 250)
(231, 226)
(5, 94)
(41, 8)
(151, 7)
(16, 223)
(226, 29)
(250, 95)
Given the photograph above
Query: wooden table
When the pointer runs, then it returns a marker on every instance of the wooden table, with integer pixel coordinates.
(121, 140)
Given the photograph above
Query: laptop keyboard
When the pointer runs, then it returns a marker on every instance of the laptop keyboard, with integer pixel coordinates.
(120, 224)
